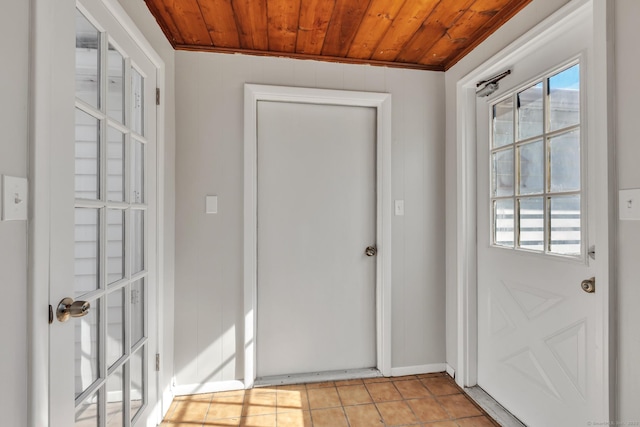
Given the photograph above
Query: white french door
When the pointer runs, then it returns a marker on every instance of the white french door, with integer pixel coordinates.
(103, 232)
(540, 342)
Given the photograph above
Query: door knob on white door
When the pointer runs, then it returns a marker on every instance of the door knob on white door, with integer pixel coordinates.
(370, 251)
(589, 285)
(70, 308)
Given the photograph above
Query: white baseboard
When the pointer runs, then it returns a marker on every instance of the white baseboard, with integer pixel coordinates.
(186, 389)
(167, 398)
(451, 371)
(419, 369)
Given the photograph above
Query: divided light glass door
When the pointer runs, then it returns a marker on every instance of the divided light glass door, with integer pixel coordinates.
(113, 246)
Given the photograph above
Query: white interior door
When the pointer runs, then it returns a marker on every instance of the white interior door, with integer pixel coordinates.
(103, 232)
(540, 346)
(316, 308)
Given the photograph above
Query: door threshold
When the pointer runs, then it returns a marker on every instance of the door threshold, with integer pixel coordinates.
(316, 377)
(493, 408)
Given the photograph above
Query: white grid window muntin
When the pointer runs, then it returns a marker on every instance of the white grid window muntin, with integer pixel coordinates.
(119, 329)
(536, 194)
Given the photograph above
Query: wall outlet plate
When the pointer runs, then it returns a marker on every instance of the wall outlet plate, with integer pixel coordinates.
(629, 204)
(14, 198)
(211, 204)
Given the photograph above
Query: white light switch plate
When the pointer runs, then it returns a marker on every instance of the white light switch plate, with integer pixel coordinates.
(399, 207)
(629, 204)
(211, 204)
(14, 198)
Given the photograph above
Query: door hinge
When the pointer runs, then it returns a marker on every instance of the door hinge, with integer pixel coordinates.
(50, 314)
(157, 96)
(157, 362)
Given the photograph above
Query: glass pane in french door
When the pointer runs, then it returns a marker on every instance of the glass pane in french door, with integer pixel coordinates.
(110, 231)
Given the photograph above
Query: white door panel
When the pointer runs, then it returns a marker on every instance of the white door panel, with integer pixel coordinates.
(316, 216)
(538, 340)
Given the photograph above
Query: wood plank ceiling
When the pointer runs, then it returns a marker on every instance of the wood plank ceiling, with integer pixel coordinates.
(423, 34)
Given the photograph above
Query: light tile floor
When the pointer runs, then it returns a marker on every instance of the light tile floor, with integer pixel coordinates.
(432, 400)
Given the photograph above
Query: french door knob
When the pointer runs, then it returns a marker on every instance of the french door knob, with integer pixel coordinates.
(370, 251)
(70, 308)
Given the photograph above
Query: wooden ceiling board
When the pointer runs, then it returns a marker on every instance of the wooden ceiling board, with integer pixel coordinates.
(312, 27)
(166, 22)
(345, 20)
(419, 34)
(220, 20)
(374, 25)
(283, 16)
(188, 18)
(408, 21)
(456, 48)
(433, 28)
(251, 17)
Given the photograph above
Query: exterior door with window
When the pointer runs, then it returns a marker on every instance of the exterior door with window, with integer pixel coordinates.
(103, 227)
(540, 346)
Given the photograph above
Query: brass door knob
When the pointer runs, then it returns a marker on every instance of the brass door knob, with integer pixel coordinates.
(371, 251)
(589, 285)
(70, 308)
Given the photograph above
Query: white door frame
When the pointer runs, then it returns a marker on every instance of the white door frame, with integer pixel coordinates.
(599, 87)
(45, 130)
(382, 103)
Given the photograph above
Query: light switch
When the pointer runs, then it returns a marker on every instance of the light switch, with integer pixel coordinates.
(399, 207)
(14, 198)
(211, 204)
(629, 204)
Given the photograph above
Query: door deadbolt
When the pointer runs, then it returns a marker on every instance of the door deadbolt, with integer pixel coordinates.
(589, 285)
(370, 251)
(70, 308)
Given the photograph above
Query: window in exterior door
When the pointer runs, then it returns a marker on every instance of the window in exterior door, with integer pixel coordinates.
(111, 343)
(535, 164)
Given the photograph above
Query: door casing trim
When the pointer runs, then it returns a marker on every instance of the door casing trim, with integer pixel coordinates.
(382, 103)
(599, 85)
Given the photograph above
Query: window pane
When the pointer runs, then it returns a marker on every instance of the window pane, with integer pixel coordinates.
(565, 162)
(87, 61)
(530, 108)
(115, 401)
(115, 86)
(115, 245)
(137, 175)
(137, 311)
(87, 412)
(565, 225)
(531, 168)
(137, 241)
(531, 223)
(137, 102)
(115, 165)
(87, 153)
(564, 98)
(87, 250)
(503, 222)
(138, 398)
(503, 123)
(87, 348)
(502, 173)
(115, 326)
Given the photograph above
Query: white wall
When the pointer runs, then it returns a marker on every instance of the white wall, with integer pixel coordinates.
(627, 62)
(209, 282)
(140, 14)
(627, 94)
(14, 75)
